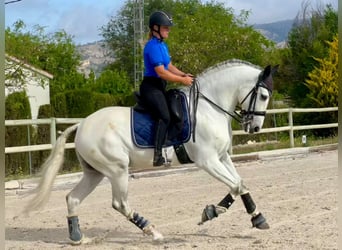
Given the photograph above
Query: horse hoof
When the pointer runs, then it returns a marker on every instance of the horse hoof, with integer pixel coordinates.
(263, 226)
(151, 230)
(75, 243)
(75, 234)
(259, 222)
(209, 213)
(158, 237)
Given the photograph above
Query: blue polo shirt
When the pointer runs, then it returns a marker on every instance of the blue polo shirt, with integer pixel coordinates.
(156, 53)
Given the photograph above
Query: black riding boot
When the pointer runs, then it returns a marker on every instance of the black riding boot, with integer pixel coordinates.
(160, 135)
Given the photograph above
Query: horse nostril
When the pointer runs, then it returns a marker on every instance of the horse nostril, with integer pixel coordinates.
(256, 129)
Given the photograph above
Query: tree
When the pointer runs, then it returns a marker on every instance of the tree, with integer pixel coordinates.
(71, 81)
(322, 81)
(17, 73)
(112, 82)
(115, 85)
(197, 41)
(118, 34)
(306, 40)
(55, 53)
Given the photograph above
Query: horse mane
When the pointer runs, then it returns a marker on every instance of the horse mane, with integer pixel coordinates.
(229, 63)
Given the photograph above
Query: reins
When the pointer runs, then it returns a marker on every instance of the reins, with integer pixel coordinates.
(193, 101)
(194, 95)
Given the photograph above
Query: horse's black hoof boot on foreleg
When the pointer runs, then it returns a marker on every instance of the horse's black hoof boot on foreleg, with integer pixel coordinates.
(259, 222)
(210, 212)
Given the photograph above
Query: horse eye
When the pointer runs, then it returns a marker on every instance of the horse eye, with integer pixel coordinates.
(263, 97)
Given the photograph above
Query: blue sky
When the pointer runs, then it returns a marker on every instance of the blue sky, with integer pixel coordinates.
(83, 18)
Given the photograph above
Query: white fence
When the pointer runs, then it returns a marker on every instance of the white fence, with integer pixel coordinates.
(291, 128)
(54, 121)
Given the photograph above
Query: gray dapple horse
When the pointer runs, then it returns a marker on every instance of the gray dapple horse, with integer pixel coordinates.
(105, 148)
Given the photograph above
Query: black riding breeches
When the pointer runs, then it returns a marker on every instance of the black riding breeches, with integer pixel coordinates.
(152, 92)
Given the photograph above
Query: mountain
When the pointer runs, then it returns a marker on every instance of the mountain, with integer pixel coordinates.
(277, 31)
(94, 56)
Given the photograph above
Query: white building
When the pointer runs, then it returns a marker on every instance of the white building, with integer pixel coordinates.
(34, 81)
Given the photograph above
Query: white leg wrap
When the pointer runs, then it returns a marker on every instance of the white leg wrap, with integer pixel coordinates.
(151, 230)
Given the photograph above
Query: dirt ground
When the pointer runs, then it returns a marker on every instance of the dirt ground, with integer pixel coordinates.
(297, 195)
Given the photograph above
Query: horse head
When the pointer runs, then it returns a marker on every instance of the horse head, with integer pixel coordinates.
(254, 104)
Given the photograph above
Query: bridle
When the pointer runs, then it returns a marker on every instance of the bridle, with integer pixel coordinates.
(245, 117)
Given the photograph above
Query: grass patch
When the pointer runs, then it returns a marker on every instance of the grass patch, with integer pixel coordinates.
(281, 144)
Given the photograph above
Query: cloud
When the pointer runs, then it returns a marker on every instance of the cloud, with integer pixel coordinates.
(83, 22)
(266, 11)
(82, 19)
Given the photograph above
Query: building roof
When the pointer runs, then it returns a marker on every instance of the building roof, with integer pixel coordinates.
(30, 67)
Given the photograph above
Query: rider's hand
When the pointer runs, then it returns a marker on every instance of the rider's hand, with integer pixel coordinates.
(187, 80)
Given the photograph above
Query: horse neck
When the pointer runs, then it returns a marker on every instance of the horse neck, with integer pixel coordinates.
(225, 87)
(221, 88)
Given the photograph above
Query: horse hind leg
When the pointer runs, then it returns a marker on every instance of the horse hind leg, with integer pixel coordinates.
(91, 178)
(119, 182)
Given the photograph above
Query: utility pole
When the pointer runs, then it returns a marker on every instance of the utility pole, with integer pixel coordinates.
(138, 41)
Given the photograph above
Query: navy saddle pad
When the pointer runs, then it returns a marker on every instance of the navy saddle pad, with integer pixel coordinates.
(143, 128)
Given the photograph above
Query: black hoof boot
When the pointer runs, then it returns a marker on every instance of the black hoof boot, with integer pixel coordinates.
(259, 222)
(209, 213)
(75, 234)
(158, 159)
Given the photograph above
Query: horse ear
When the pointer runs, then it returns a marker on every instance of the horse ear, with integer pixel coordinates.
(266, 72)
(274, 69)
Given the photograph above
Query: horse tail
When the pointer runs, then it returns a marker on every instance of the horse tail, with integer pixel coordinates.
(49, 171)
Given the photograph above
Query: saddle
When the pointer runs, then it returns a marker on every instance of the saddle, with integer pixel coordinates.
(143, 124)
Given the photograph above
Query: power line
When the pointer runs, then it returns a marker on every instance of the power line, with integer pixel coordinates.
(14, 1)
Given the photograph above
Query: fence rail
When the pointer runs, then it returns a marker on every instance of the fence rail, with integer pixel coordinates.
(53, 122)
(291, 128)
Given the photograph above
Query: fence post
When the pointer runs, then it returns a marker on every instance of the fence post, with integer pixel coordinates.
(291, 128)
(53, 131)
(230, 149)
(29, 143)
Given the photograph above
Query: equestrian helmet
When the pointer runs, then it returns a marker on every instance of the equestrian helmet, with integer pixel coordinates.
(160, 18)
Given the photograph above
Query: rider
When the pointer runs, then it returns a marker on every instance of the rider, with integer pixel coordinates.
(158, 70)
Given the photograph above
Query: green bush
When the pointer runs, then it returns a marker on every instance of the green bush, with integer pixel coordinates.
(80, 103)
(59, 105)
(17, 107)
(41, 136)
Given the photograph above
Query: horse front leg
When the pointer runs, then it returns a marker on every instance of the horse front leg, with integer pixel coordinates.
(258, 220)
(225, 171)
(212, 211)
